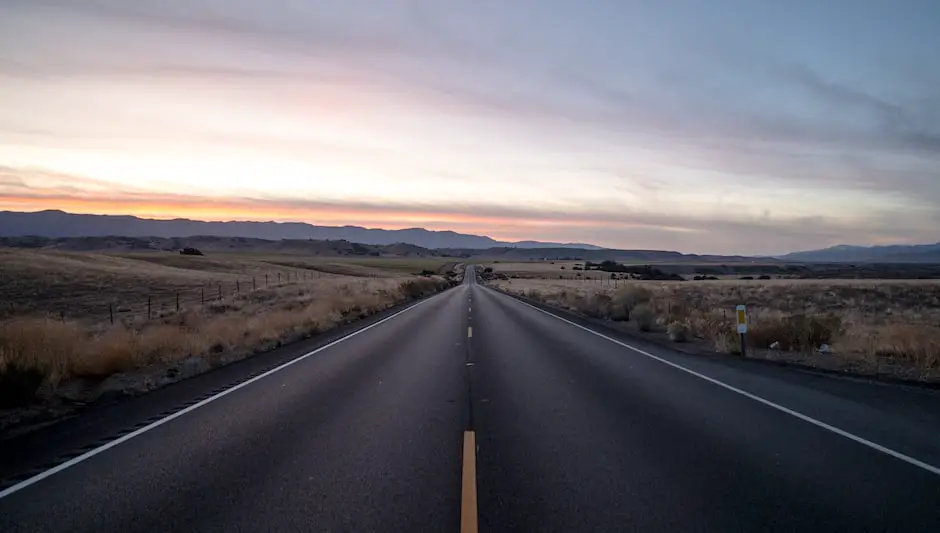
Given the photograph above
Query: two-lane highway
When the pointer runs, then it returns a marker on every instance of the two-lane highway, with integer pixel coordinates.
(365, 435)
(574, 430)
(577, 433)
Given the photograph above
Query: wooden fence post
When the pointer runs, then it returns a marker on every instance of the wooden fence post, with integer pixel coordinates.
(220, 291)
(149, 307)
(177, 302)
(254, 285)
(202, 295)
(111, 312)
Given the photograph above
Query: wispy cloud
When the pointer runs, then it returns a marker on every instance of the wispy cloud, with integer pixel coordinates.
(731, 127)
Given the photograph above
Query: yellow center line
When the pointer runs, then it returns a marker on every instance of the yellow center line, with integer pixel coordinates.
(468, 500)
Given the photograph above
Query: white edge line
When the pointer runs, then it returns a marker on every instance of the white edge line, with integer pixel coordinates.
(105, 447)
(841, 432)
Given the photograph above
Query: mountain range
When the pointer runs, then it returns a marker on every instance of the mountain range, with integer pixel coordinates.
(843, 253)
(61, 225)
(58, 224)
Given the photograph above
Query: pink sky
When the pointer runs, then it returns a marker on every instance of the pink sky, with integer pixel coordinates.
(474, 117)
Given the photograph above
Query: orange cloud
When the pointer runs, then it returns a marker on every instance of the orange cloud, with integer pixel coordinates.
(36, 190)
(167, 207)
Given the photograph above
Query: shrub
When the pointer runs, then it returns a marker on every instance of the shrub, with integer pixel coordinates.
(190, 251)
(419, 288)
(597, 305)
(798, 332)
(915, 343)
(627, 299)
(678, 331)
(644, 317)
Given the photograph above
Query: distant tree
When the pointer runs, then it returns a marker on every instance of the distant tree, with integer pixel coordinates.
(190, 251)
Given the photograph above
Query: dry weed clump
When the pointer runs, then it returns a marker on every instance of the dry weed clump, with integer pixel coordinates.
(867, 323)
(39, 354)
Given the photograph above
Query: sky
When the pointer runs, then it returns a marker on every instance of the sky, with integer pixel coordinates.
(709, 126)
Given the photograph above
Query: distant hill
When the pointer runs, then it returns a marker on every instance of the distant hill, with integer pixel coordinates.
(580, 254)
(210, 244)
(338, 248)
(921, 253)
(57, 224)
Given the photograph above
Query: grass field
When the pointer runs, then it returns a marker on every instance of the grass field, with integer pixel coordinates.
(57, 307)
(89, 286)
(879, 326)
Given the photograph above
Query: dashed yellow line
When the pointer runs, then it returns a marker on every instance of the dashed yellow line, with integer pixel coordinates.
(469, 519)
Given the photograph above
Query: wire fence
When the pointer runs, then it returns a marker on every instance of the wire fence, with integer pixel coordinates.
(148, 301)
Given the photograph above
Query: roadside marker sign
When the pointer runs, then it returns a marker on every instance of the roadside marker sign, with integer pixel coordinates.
(742, 319)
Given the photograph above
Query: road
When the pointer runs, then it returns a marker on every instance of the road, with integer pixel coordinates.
(575, 429)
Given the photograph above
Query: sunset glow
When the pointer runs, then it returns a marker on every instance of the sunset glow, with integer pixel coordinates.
(621, 124)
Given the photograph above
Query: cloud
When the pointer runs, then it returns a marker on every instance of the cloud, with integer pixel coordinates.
(687, 142)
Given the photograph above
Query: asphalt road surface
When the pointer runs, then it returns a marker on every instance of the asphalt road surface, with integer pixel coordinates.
(575, 429)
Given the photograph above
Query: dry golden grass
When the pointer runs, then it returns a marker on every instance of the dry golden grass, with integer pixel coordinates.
(870, 323)
(88, 286)
(86, 345)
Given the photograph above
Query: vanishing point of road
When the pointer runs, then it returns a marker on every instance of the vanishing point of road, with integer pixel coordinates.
(472, 410)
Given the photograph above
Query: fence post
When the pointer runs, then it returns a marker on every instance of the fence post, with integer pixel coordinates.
(220, 291)
(254, 285)
(111, 312)
(238, 287)
(265, 280)
(62, 316)
(149, 307)
(202, 295)
(177, 302)
(278, 278)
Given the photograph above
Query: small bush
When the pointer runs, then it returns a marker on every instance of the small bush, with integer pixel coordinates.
(419, 288)
(597, 305)
(626, 300)
(798, 332)
(644, 317)
(678, 331)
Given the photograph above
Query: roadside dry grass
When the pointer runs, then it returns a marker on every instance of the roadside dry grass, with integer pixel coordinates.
(82, 357)
(884, 327)
(87, 286)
